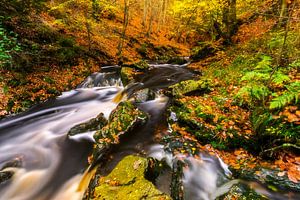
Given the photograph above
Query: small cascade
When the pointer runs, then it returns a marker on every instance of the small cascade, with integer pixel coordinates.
(102, 79)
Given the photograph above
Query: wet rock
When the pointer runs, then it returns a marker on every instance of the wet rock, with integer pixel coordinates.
(128, 181)
(92, 125)
(178, 60)
(144, 95)
(241, 192)
(142, 65)
(177, 192)
(5, 176)
(127, 75)
(125, 117)
(203, 51)
(268, 177)
(190, 86)
(199, 120)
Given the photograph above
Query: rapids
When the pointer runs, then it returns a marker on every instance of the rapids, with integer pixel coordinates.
(46, 163)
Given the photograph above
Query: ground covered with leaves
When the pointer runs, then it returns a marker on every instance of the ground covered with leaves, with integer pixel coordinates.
(250, 114)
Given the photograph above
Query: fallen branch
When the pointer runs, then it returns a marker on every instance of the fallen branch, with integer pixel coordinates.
(285, 145)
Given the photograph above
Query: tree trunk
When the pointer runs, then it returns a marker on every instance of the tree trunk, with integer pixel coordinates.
(229, 20)
(160, 14)
(283, 13)
(151, 18)
(125, 24)
(145, 13)
(88, 30)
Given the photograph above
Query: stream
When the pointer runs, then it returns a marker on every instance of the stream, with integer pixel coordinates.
(43, 162)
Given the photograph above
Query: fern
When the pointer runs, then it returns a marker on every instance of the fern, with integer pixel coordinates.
(255, 76)
(264, 66)
(260, 92)
(279, 78)
(295, 64)
(249, 93)
(292, 94)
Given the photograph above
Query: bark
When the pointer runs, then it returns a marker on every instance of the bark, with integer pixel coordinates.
(283, 13)
(125, 24)
(152, 14)
(145, 13)
(88, 30)
(229, 20)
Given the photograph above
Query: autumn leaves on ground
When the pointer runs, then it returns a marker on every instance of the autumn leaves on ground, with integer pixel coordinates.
(247, 52)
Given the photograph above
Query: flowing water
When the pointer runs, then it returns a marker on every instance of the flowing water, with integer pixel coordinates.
(46, 163)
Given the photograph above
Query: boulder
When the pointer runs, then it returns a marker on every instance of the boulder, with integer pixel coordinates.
(241, 192)
(143, 95)
(178, 60)
(125, 117)
(268, 177)
(127, 75)
(190, 86)
(92, 125)
(127, 181)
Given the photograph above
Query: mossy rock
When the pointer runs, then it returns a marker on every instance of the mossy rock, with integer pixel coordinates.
(92, 125)
(127, 181)
(203, 51)
(5, 177)
(190, 86)
(177, 60)
(241, 192)
(140, 65)
(200, 124)
(268, 177)
(143, 95)
(127, 75)
(125, 117)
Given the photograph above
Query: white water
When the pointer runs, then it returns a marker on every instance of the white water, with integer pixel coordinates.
(40, 143)
(204, 178)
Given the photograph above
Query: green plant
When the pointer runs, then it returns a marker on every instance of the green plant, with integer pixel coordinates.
(258, 82)
(291, 94)
(8, 46)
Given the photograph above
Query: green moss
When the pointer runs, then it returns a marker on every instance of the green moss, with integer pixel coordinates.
(240, 192)
(121, 120)
(200, 123)
(268, 177)
(189, 86)
(177, 60)
(127, 181)
(127, 75)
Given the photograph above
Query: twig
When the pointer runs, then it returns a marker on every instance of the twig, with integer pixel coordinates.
(285, 145)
